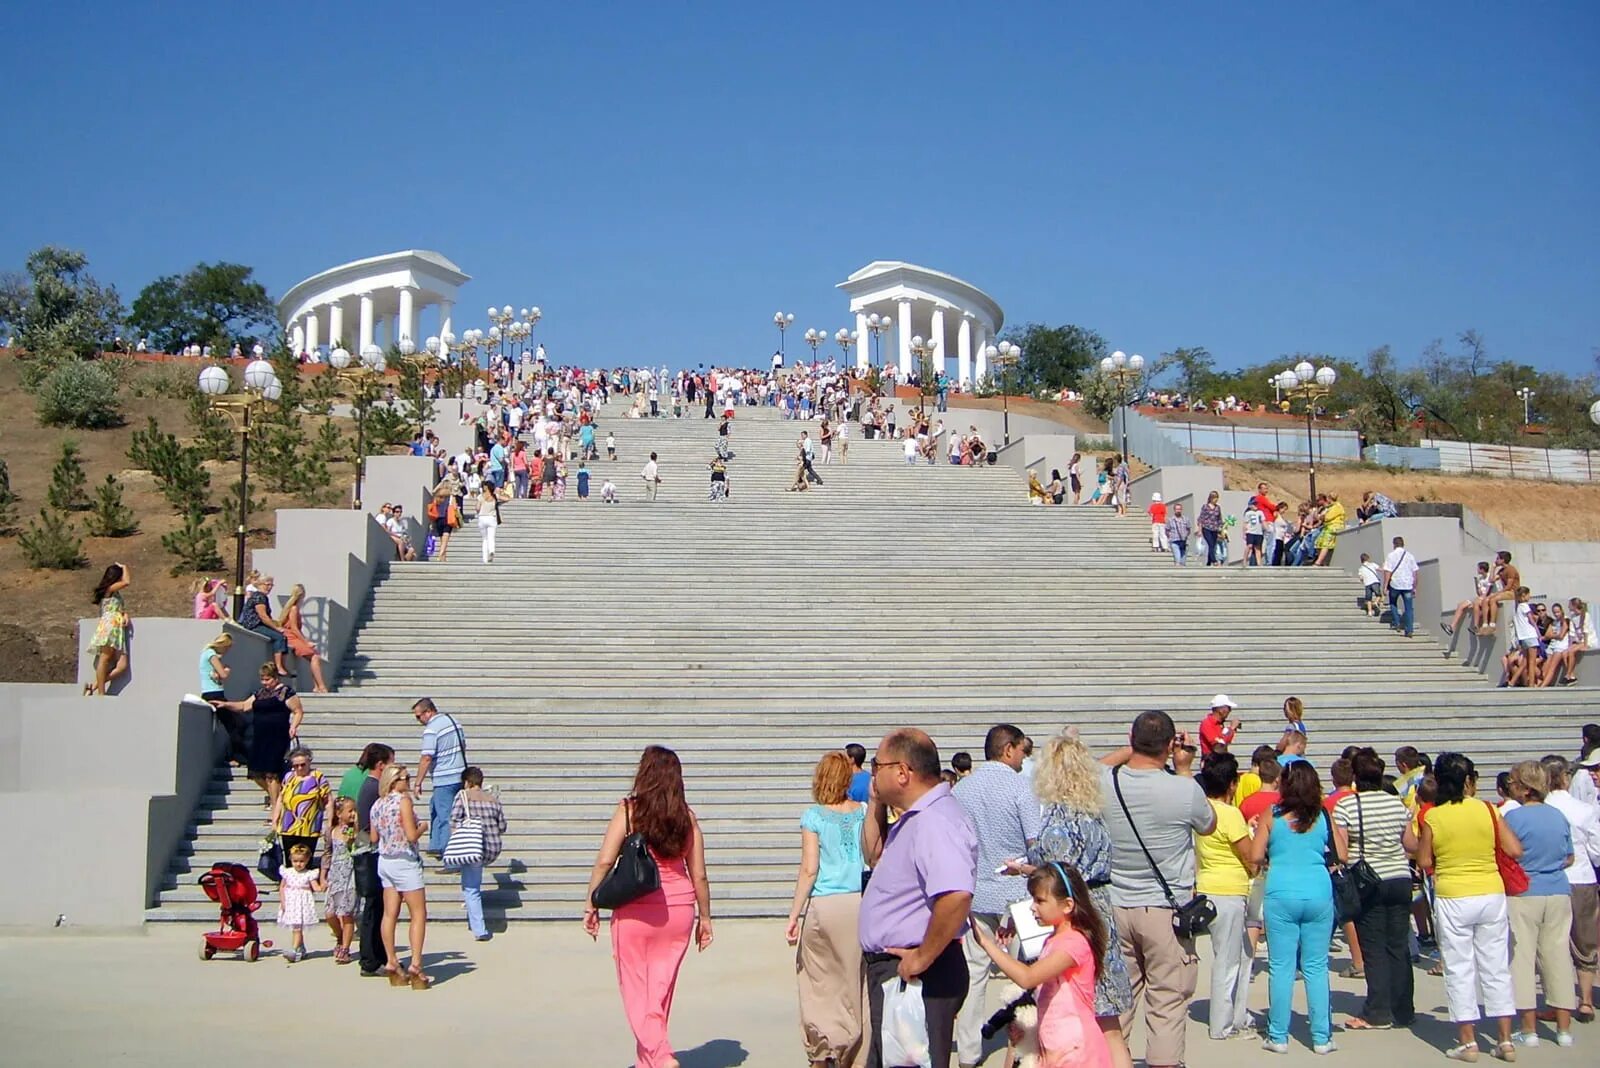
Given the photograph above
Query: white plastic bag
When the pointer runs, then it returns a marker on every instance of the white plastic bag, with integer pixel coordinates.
(905, 1025)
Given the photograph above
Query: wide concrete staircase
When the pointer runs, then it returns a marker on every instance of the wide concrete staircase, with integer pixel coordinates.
(754, 634)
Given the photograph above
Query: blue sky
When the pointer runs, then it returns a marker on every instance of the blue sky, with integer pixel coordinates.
(662, 178)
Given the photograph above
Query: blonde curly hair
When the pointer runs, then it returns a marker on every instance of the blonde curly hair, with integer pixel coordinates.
(1068, 774)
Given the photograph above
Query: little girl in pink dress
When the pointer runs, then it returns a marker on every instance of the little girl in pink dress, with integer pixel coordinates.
(1065, 971)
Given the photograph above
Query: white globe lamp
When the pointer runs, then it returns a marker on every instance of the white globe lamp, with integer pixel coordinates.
(256, 374)
(1326, 377)
(214, 381)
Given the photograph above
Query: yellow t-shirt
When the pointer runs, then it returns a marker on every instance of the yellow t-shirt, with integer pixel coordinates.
(1249, 783)
(1463, 850)
(1221, 872)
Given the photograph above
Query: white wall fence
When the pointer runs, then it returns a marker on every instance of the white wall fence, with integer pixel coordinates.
(1516, 461)
(1284, 443)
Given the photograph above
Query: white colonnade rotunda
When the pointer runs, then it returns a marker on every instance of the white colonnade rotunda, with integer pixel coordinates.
(376, 301)
(956, 318)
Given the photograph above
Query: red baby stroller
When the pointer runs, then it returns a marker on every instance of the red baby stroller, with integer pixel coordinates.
(231, 886)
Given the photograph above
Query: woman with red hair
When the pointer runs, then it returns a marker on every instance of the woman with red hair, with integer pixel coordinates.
(650, 935)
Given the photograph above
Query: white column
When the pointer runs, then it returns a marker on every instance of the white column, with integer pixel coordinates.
(313, 338)
(297, 339)
(983, 357)
(936, 338)
(905, 339)
(408, 313)
(864, 344)
(366, 321)
(391, 331)
(445, 308)
(336, 325)
(964, 352)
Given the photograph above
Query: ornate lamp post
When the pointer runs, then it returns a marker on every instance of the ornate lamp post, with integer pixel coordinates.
(846, 339)
(502, 318)
(815, 338)
(1124, 370)
(261, 386)
(877, 325)
(1004, 356)
(782, 320)
(922, 351)
(359, 372)
(1527, 396)
(1310, 385)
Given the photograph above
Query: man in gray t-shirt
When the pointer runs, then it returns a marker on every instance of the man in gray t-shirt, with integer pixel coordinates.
(1169, 810)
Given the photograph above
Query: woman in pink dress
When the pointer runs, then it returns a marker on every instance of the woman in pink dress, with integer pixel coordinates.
(1064, 973)
(650, 935)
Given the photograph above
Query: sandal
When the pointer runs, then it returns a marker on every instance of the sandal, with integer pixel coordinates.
(1467, 1051)
(1505, 1051)
(1356, 1023)
(1584, 1014)
(418, 981)
(1352, 973)
(396, 976)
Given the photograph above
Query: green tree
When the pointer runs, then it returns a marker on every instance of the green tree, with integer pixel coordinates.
(228, 513)
(183, 480)
(68, 483)
(213, 432)
(1053, 357)
(59, 310)
(413, 390)
(80, 394)
(110, 518)
(211, 303)
(1191, 367)
(51, 542)
(193, 544)
(1099, 394)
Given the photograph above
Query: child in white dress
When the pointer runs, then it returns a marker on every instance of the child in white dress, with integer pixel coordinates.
(297, 902)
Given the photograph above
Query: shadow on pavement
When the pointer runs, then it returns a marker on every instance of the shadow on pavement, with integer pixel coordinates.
(718, 1053)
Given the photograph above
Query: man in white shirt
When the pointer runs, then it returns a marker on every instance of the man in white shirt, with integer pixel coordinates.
(1584, 820)
(1400, 580)
(652, 478)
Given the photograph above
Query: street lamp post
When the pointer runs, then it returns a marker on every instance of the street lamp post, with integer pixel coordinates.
(922, 351)
(846, 340)
(877, 326)
(359, 372)
(782, 320)
(1527, 395)
(1310, 385)
(261, 386)
(815, 338)
(422, 360)
(1003, 356)
(1123, 370)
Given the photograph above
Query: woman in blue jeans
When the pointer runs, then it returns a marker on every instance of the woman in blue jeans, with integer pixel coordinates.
(474, 802)
(1294, 841)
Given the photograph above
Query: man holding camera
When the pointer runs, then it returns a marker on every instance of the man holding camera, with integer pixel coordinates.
(1152, 813)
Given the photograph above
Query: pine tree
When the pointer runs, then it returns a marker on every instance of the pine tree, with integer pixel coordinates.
(68, 483)
(193, 544)
(213, 432)
(110, 518)
(51, 542)
(228, 516)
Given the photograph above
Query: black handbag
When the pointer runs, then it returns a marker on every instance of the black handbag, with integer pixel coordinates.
(270, 862)
(633, 875)
(1195, 916)
(1364, 875)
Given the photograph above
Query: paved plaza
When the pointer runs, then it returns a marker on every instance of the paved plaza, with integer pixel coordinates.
(540, 994)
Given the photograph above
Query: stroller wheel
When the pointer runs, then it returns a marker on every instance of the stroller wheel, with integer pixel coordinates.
(252, 951)
(206, 952)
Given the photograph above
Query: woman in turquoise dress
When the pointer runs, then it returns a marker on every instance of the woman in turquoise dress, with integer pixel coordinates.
(823, 918)
(110, 642)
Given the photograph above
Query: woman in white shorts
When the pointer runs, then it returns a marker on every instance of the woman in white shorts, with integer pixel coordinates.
(395, 831)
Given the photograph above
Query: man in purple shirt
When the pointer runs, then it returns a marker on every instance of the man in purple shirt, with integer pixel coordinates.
(924, 869)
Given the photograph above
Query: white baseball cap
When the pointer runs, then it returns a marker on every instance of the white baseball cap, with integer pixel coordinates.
(1223, 700)
(1155, 498)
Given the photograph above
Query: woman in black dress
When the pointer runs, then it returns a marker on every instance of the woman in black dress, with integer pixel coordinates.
(275, 714)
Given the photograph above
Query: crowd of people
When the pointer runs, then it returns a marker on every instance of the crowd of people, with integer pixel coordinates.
(1547, 641)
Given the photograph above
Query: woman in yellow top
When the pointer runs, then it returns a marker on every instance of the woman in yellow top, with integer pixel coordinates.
(1333, 516)
(1457, 840)
(302, 803)
(1223, 875)
(1036, 493)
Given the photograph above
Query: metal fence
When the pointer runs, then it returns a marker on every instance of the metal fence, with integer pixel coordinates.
(1516, 461)
(1264, 442)
(1412, 459)
(1148, 440)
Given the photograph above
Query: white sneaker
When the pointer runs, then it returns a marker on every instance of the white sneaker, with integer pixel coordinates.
(1529, 1039)
(1325, 1048)
(1564, 1039)
(1274, 1047)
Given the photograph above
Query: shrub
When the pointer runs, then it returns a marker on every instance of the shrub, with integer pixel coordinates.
(68, 484)
(184, 482)
(51, 542)
(110, 518)
(193, 544)
(80, 393)
(168, 381)
(8, 501)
